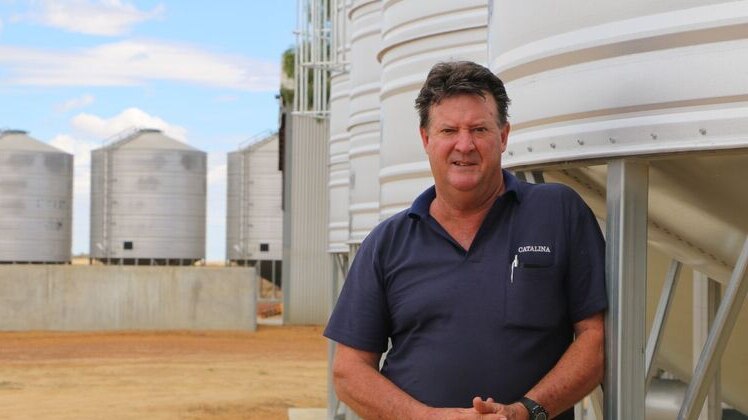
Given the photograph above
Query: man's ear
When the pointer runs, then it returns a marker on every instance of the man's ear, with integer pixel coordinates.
(504, 134)
(424, 136)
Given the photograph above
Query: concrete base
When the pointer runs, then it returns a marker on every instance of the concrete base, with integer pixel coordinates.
(87, 298)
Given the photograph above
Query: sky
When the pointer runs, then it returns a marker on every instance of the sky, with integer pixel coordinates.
(75, 73)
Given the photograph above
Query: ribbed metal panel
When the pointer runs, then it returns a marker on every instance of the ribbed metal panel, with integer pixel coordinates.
(625, 78)
(253, 206)
(148, 205)
(363, 123)
(307, 267)
(36, 196)
(415, 36)
(339, 172)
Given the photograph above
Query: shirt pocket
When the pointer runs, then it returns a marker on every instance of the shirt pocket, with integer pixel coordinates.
(534, 295)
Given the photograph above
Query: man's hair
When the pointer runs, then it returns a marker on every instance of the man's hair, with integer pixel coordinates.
(452, 78)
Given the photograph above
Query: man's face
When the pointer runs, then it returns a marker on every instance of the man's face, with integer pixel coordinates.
(464, 143)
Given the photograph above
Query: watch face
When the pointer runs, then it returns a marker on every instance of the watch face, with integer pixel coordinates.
(541, 416)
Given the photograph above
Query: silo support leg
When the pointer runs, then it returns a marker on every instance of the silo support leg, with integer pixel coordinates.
(716, 342)
(706, 298)
(626, 271)
(660, 318)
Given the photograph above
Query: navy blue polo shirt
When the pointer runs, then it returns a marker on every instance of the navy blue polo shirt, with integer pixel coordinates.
(490, 321)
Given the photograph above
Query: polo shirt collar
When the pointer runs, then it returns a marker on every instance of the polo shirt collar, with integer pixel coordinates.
(420, 207)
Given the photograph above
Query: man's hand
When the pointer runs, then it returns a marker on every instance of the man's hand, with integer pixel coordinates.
(514, 411)
(462, 414)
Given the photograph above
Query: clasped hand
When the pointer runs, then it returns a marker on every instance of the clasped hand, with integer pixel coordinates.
(482, 410)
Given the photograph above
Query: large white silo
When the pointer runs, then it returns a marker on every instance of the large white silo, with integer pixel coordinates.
(148, 201)
(652, 88)
(415, 36)
(339, 165)
(36, 196)
(363, 121)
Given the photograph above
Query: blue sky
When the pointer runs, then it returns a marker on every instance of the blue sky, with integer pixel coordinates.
(76, 72)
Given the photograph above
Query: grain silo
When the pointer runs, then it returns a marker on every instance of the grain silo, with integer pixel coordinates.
(148, 201)
(339, 164)
(363, 120)
(642, 107)
(254, 213)
(415, 36)
(36, 195)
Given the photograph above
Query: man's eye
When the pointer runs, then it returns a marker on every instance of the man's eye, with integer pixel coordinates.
(480, 129)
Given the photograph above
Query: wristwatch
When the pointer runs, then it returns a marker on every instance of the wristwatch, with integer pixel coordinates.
(537, 412)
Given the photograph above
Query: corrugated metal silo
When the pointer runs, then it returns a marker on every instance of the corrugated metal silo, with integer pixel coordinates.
(415, 36)
(36, 195)
(363, 122)
(148, 201)
(254, 225)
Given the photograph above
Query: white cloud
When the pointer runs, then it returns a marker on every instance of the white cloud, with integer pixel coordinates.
(130, 63)
(102, 17)
(81, 151)
(75, 103)
(104, 128)
(217, 174)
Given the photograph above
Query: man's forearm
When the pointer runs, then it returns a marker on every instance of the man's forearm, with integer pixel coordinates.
(578, 371)
(359, 384)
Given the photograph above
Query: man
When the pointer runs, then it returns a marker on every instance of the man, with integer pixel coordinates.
(486, 286)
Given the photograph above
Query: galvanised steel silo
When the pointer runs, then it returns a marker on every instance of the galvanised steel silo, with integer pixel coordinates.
(148, 201)
(36, 196)
(254, 214)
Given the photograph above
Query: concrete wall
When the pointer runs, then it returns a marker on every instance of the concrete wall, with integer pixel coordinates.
(84, 298)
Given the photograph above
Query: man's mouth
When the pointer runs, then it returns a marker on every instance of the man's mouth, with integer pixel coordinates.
(461, 163)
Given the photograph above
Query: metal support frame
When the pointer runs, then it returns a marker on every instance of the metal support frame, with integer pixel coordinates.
(716, 342)
(335, 409)
(660, 318)
(596, 399)
(340, 42)
(714, 398)
(314, 56)
(536, 177)
(626, 271)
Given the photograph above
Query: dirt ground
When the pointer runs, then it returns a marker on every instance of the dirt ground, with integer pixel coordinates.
(175, 375)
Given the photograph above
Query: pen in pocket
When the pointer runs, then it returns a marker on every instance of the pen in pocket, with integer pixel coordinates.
(515, 264)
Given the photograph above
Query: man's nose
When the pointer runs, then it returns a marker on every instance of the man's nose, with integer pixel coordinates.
(465, 141)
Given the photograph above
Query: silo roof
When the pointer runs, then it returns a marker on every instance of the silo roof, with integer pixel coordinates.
(150, 139)
(18, 140)
(256, 144)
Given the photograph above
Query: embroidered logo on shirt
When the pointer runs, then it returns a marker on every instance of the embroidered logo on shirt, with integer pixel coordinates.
(534, 248)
